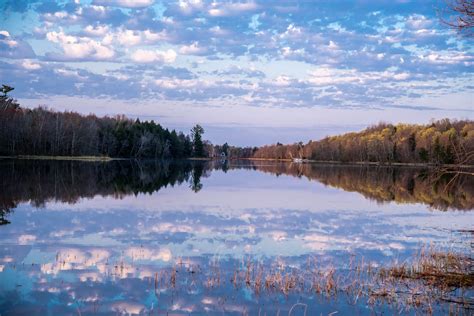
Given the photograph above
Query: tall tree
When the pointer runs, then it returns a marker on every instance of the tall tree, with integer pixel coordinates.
(198, 145)
(225, 149)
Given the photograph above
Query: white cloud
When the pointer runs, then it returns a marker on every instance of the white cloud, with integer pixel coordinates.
(331, 76)
(188, 6)
(333, 45)
(401, 76)
(80, 47)
(292, 31)
(219, 31)
(28, 64)
(140, 253)
(129, 37)
(418, 21)
(7, 39)
(289, 52)
(99, 30)
(150, 56)
(193, 49)
(326, 75)
(154, 37)
(282, 81)
(448, 58)
(77, 259)
(177, 83)
(60, 17)
(228, 9)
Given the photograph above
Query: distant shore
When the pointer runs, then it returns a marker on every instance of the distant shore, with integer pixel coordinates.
(306, 161)
(362, 163)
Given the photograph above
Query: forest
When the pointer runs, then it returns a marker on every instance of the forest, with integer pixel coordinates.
(44, 132)
(440, 142)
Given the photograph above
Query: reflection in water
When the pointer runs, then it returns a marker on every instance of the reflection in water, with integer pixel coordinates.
(127, 237)
(68, 181)
(387, 184)
(4, 211)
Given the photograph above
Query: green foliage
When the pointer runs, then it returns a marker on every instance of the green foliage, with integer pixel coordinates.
(225, 149)
(198, 146)
(5, 89)
(423, 153)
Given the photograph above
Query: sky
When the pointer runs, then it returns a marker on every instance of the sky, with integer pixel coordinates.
(250, 72)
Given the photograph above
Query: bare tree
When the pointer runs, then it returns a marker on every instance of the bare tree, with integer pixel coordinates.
(459, 15)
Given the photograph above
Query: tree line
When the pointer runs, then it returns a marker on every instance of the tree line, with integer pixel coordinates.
(45, 132)
(42, 131)
(440, 142)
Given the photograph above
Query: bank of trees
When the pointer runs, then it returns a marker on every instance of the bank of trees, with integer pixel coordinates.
(41, 131)
(44, 132)
(441, 142)
(231, 152)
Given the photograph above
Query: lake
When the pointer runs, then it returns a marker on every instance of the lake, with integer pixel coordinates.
(232, 237)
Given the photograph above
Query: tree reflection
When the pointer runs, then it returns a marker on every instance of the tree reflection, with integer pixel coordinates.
(386, 184)
(4, 213)
(68, 181)
(196, 184)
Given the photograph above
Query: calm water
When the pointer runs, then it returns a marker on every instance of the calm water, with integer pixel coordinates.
(104, 238)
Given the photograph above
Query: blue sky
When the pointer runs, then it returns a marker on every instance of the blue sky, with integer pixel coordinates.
(250, 72)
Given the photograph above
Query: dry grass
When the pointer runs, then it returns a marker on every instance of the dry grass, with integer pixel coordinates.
(440, 269)
(430, 279)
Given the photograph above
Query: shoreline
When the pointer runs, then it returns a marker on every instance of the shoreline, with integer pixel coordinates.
(360, 163)
(319, 162)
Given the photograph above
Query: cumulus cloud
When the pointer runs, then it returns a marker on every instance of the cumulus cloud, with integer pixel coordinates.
(151, 56)
(142, 253)
(418, 21)
(193, 49)
(189, 6)
(14, 48)
(247, 52)
(98, 30)
(231, 8)
(28, 64)
(80, 47)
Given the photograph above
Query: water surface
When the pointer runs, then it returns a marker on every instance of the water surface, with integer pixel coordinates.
(105, 238)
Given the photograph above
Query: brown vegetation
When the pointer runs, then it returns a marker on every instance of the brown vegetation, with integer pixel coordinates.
(441, 142)
(430, 279)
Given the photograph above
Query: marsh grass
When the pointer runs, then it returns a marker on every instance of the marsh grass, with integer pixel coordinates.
(432, 281)
(432, 278)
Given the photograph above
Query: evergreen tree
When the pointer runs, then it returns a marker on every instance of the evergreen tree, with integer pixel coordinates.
(198, 145)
